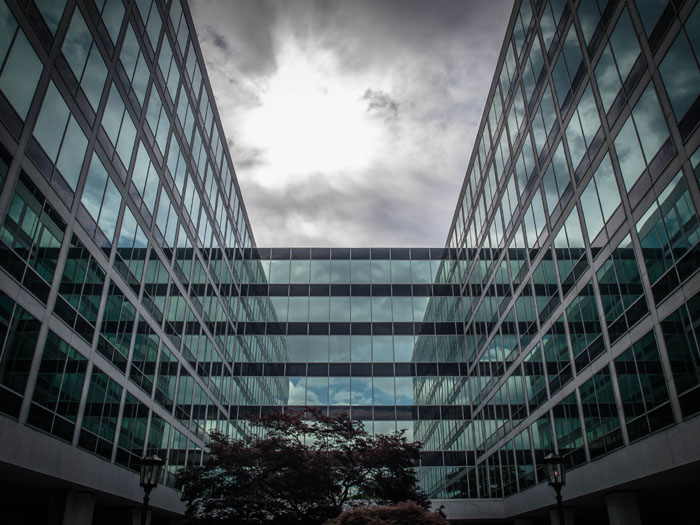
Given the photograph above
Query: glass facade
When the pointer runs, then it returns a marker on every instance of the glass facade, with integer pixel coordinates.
(137, 313)
(118, 327)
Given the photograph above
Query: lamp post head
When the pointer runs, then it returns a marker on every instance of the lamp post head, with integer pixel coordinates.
(555, 469)
(150, 471)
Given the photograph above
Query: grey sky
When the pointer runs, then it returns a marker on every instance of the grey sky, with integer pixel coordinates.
(350, 122)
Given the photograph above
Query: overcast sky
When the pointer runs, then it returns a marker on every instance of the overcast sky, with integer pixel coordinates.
(350, 122)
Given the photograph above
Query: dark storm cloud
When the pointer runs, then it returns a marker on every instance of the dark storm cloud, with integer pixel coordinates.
(218, 40)
(441, 55)
(381, 103)
(379, 218)
(244, 33)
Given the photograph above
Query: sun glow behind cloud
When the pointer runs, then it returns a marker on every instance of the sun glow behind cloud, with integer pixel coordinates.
(311, 119)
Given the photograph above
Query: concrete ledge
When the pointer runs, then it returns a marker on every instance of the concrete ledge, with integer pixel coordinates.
(33, 451)
(676, 447)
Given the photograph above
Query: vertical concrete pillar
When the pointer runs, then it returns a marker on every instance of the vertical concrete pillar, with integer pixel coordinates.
(79, 508)
(135, 517)
(622, 508)
(554, 517)
(56, 506)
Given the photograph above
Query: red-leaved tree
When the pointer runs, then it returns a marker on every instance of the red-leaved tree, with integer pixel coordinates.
(299, 471)
(403, 513)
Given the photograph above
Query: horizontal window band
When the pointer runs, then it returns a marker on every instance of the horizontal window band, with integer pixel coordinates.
(364, 412)
(337, 290)
(351, 369)
(350, 328)
(377, 254)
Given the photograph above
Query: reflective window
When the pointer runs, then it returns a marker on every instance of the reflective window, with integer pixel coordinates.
(589, 17)
(80, 290)
(533, 68)
(52, 122)
(143, 359)
(570, 250)
(158, 120)
(643, 391)
(534, 375)
(116, 328)
(641, 137)
(59, 386)
(600, 414)
(18, 335)
(600, 199)
(564, 71)
(667, 231)
(682, 335)
(101, 411)
(145, 179)
(31, 235)
(151, 19)
(649, 12)
(567, 429)
(131, 249)
(132, 433)
(582, 128)
(84, 58)
(168, 67)
(617, 60)
(584, 328)
(621, 290)
(556, 355)
(112, 14)
(118, 125)
(543, 120)
(22, 67)
(101, 197)
(51, 11)
(679, 68)
(550, 20)
(556, 179)
(134, 62)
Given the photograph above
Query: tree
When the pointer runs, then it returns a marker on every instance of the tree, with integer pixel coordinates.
(299, 471)
(405, 512)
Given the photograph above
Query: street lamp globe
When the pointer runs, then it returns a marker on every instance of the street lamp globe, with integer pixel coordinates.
(555, 469)
(150, 471)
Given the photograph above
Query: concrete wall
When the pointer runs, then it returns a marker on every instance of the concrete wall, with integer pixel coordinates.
(28, 449)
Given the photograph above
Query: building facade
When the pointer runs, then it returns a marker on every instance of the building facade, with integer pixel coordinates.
(137, 313)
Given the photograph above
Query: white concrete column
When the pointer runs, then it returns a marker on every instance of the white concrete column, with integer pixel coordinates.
(79, 508)
(554, 517)
(622, 508)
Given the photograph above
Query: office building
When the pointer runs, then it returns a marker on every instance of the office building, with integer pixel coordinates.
(137, 313)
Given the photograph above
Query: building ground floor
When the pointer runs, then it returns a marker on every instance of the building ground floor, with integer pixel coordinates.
(654, 481)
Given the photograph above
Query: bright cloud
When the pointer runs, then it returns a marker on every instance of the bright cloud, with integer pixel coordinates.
(311, 118)
(350, 123)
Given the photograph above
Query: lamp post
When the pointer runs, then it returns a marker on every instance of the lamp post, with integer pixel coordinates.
(556, 475)
(150, 471)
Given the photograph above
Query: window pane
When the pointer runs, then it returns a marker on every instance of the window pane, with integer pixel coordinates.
(52, 11)
(650, 123)
(679, 72)
(629, 153)
(52, 121)
(8, 25)
(21, 75)
(76, 45)
(70, 160)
